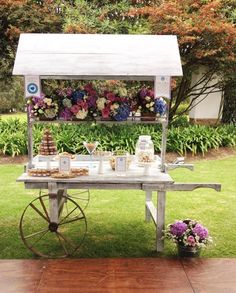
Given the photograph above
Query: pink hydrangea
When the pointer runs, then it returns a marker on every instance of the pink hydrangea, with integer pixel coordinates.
(75, 109)
(191, 241)
(106, 112)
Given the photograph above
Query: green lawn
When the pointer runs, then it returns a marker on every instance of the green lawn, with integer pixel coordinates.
(116, 226)
(21, 116)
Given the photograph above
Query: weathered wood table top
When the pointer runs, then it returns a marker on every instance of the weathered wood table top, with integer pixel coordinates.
(132, 179)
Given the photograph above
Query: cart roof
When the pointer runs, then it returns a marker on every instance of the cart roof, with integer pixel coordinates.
(96, 56)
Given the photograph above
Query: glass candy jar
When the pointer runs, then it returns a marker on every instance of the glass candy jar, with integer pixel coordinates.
(144, 151)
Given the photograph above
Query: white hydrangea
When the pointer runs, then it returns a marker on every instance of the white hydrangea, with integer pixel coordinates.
(82, 114)
(47, 101)
(101, 103)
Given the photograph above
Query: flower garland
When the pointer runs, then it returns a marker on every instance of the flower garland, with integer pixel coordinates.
(86, 102)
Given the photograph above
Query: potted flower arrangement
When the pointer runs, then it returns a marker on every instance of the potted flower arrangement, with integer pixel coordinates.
(189, 235)
(42, 107)
(149, 106)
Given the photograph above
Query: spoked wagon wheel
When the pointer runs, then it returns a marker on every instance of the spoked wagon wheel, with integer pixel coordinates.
(50, 239)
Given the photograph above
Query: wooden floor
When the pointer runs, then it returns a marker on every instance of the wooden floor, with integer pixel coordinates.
(140, 275)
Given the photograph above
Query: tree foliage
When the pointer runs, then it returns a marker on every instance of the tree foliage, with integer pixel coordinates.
(20, 16)
(104, 17)
(207, 37)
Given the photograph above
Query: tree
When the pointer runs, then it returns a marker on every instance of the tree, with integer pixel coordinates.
(103, 17)
(207, 37)
(229, 102)
(20, 16)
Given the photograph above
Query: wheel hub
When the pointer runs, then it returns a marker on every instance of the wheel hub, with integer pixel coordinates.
(53, 227)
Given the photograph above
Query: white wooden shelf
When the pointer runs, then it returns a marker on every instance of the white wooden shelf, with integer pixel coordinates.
(129, 121)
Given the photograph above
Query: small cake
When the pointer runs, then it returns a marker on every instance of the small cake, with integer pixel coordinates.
(47, 146)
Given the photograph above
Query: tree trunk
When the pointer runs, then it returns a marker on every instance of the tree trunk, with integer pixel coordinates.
(229, 104)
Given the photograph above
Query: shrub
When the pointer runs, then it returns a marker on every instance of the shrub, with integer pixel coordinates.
(70, 137)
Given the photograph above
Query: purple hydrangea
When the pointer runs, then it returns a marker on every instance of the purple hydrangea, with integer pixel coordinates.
(69, 91)
(92, 102)
(178, 228)
(143, 93)
(201, 231)
(65, 114)
(38, 100)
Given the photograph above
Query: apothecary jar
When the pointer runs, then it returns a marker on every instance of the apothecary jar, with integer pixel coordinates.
(144, 151)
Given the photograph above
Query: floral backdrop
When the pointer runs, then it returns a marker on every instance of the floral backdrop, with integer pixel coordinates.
(111, 101)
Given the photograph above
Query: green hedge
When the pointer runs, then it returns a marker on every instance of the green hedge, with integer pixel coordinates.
(70, 137)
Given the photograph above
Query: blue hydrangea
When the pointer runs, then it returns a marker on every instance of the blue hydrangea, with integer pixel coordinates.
(160, 106)
(78, 95)
(122, 112)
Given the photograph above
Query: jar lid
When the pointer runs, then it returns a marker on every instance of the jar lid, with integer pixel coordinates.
(145, 137)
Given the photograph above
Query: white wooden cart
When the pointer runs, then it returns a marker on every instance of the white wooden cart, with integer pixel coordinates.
(94, 57)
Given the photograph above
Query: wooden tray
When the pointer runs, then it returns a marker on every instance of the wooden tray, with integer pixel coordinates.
(63, 176)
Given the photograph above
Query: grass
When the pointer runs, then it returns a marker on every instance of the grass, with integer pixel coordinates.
(21, 116)
(116, 226)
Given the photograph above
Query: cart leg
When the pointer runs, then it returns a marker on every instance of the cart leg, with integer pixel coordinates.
(147, 212)
(161, 202)
(53, 202)
(61, 199)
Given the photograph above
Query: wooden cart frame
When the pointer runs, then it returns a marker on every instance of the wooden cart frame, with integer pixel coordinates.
(96, 57)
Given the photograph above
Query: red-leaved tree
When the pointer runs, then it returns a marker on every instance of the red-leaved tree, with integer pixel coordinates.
(207, 39)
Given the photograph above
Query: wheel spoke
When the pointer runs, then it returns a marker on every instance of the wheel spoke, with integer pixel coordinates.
(35, 234)
(38, 211)
(68, 215)
(66, 240)
(36, 241)
(72, 220)
(44, 208)
(62, 244)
